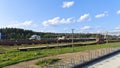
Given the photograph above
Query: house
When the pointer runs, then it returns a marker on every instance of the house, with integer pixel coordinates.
(61, 38)
(35, 37)
(0, 35)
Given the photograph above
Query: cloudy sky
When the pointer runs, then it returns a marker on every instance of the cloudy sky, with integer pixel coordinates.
(61, 15)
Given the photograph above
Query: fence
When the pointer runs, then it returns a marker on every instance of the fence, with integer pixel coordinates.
(82, 58)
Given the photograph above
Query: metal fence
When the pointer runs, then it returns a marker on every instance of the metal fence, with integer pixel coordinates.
(82, 58)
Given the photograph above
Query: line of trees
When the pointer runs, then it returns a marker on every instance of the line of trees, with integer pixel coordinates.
(19, 34)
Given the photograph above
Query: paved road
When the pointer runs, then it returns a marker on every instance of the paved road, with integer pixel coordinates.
(112, 62)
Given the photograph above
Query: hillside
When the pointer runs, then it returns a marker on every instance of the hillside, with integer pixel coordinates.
(17, 33)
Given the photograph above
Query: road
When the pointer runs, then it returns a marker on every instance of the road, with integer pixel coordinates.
(112, 62)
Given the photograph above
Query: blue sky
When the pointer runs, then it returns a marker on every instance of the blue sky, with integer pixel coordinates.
(61, 15)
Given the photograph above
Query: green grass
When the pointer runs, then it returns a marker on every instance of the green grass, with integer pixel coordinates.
(33, 45)
(12, 55)
(47, 62)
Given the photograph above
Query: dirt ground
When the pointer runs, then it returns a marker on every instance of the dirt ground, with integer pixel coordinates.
(64, 57)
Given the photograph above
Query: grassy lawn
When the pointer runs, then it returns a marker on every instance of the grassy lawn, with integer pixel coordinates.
(12, 55)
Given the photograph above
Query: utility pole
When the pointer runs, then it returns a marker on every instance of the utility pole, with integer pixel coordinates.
(72, 40)
(105, 36)
(58, 42)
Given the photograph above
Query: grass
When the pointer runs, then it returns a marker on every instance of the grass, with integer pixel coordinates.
(47, 62)
(33, 45)
(13, 56)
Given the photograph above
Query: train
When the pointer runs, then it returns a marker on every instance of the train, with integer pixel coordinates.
(29, 42)
(49, 41)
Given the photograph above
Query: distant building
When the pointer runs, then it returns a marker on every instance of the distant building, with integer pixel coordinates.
(61, 38)
(0, 35)
(35, 37)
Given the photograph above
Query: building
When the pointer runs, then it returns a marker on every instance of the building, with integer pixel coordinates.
(35, 37)
(0, 35)
(62, 38)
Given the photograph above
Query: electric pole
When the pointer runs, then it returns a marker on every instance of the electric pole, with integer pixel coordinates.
(72, 40)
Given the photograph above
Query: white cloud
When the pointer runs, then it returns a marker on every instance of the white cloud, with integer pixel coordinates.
(25, 25)
(98, 26)
(85, 17)
(99, 15)
(42, 30)
(85, 28)
(53, 21)
(115, 31)
(102, 15)
(67, 4)
(65, 29)
(56, 21)
(118, 12)
(20, 25)
(117, 28)
(65, 21)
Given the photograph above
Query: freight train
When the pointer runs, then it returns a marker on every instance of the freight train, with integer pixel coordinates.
(49, 41)
(20, 42)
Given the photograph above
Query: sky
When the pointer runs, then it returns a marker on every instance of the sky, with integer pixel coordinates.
(61, 16)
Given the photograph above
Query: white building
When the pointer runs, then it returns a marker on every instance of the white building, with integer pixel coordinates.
(35, 37)
(0, 35)
(61, 38)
